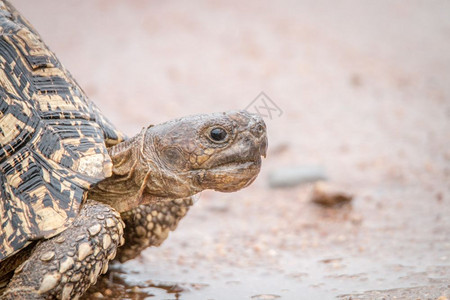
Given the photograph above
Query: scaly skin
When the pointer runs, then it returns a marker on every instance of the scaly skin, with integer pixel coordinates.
(149, 225)
(65, 266)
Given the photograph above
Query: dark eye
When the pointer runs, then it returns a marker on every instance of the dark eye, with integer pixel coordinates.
(218, 134)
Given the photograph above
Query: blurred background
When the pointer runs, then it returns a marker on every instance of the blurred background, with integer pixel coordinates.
(364, 91)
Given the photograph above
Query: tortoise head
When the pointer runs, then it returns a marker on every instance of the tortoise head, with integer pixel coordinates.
(219, 151)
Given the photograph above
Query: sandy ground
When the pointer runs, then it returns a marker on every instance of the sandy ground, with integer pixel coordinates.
(364, 89)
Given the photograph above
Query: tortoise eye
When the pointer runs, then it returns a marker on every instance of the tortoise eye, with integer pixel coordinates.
(218, 134)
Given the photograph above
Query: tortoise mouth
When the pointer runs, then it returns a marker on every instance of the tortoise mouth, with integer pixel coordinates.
(230, 176)
(236, 160)
(244, 164)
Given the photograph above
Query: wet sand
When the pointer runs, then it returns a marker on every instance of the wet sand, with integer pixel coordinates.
(364, 90)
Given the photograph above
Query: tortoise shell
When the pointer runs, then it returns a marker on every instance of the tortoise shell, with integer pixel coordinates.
(53, 139)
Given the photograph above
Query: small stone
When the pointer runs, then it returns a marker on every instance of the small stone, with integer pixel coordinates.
(121, 240)
(66, 264)
(115, 237)
(84, 250)
(100, 217)
(108, 292)
(329, 195)
(356, 219)
(94, 229)
(47, 256)
(49, 282)
(265, 297)
(292, 176)
(110, 222)
(106, 241)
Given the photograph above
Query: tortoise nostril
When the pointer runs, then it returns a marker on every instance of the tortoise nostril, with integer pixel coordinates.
(258, 129)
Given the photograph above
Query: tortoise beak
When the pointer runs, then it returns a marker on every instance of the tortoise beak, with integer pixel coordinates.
(263, 147)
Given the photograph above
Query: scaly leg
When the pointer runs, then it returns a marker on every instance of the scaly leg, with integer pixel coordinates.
(64, 266)
(149, 225)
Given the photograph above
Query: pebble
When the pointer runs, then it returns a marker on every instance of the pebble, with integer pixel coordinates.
(292, 176)
(329, 195)
(265, 297)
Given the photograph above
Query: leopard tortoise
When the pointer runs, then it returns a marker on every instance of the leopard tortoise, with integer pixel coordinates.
(73, 188)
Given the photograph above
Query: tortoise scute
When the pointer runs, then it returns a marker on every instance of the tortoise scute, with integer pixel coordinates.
(96, 166)
(52, 138)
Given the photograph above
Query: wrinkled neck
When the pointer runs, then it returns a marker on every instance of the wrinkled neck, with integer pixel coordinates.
(139, 177)
(123, 190)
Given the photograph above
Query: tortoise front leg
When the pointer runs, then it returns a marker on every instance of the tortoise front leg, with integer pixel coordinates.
(64, 266)
(149, 225)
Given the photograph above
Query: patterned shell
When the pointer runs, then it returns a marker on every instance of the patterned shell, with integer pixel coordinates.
(52, 138)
